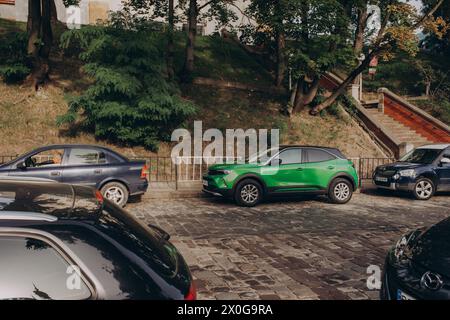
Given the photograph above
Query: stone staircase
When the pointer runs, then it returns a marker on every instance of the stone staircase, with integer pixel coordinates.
(398, 130)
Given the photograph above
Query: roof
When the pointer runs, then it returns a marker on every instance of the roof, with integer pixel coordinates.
(72, 145)
(305, 146)
(50, 198)
(441, 146)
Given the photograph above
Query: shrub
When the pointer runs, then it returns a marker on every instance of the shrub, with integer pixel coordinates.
(130, 102)
(13, 57)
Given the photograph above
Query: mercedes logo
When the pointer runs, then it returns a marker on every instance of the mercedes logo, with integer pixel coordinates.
(431, 281)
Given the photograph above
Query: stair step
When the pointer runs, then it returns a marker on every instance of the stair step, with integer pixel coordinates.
(401, 132)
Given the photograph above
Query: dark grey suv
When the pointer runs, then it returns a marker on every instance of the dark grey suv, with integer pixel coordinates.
(422, 172)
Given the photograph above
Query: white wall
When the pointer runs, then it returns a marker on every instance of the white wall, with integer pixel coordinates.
(19, 12)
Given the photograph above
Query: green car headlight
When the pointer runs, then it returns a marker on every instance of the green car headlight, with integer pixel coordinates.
(224, 172)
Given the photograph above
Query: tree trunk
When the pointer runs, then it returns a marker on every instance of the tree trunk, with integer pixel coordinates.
(281, 61)
(40, 38)
(47, 34)
(192, 34)
(343, 86)
(360, 28)
(307, 96)
(54, 12)
(170, 42)
(298, 94)
(34, 30)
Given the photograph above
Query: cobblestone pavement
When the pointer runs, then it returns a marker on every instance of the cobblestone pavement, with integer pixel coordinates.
(288, 249)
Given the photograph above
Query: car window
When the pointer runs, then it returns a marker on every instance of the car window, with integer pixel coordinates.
(317, 155)
(47, 158)
(421, 156)
(30, 269)
(290, 156)
(86, 156)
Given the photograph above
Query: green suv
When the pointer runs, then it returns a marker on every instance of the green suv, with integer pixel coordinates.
(288, 170)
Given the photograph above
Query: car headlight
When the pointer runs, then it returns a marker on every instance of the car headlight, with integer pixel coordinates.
(224, 172)
(405, 243)
(400, 247)
(408, 173)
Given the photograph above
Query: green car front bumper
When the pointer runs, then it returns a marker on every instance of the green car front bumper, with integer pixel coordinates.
(217, 185)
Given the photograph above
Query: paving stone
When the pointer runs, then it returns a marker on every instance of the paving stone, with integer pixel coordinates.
(288, 249)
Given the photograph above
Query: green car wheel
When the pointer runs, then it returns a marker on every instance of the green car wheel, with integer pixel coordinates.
(341, 191)
(248, 193)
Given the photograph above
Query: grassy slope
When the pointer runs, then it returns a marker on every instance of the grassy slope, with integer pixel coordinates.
(28, 119)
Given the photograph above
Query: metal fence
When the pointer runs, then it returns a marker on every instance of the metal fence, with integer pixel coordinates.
(367, 166)
(4, 159)
(180, 169)
(186, 169)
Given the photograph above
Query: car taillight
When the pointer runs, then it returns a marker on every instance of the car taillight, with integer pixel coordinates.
(144, 172)
(192, 294)
(99, 197)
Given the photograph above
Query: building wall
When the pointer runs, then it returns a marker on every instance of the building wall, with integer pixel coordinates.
(90, 11)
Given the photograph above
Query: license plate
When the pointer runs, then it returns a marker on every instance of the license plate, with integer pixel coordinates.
(403, 296)
(205, 183)
(381, 179)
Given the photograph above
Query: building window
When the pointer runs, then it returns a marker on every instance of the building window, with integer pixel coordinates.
(7, 2)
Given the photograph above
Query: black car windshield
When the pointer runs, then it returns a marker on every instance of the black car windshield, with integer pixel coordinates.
(422, 156)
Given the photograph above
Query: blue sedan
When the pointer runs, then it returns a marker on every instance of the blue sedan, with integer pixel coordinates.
(113, 174)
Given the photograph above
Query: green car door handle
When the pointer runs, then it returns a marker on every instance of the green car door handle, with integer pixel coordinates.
(331, 167)
(300, 169)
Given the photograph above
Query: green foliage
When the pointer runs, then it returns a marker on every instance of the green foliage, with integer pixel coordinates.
(318, 33)
(130, 101)
(13, 57)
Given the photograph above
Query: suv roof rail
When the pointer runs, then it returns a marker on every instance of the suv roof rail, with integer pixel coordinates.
(26, 216)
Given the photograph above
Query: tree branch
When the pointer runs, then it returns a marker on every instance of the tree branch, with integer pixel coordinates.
(429, 14)
(200, 8)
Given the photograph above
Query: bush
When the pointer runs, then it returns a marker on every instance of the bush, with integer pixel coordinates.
(130, 102)
(13, 57)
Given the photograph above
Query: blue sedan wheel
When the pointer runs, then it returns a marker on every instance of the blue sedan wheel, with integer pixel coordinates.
(116, 192)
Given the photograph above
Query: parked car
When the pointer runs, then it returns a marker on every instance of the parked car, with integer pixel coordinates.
(61, 241)
(418, 266)
(290, 170)
(422, 172)
(98, 167)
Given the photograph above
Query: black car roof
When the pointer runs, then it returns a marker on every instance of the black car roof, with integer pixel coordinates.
(60, 200)
(334, 151)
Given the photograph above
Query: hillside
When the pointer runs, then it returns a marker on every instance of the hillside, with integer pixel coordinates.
(28, 119)
(406, 76)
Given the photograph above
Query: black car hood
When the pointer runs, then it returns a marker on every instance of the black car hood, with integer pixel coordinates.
(432, 248)
(399, 166)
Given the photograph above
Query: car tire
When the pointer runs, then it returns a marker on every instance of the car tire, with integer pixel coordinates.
(340, 191)
(248, 193)
(423, 189)
(116, 192)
